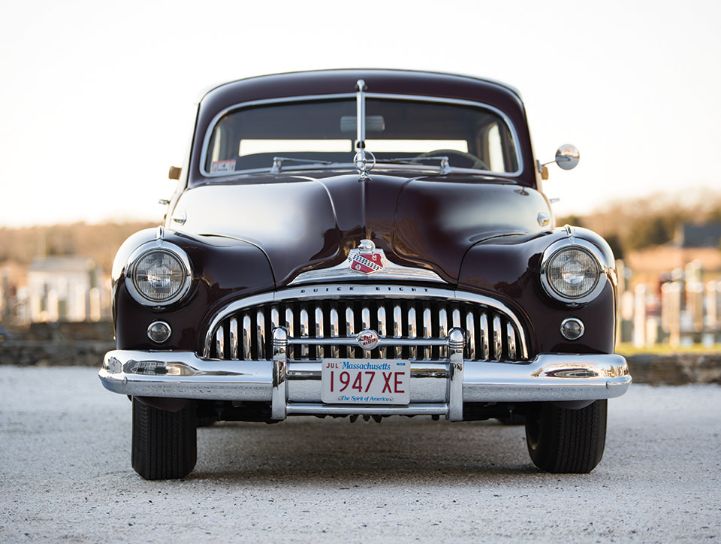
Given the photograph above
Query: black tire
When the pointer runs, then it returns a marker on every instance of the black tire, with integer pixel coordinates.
(164, 443)
(562, 440)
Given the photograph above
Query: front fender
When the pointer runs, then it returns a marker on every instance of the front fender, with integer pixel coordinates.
(222, 269)
(509, 268)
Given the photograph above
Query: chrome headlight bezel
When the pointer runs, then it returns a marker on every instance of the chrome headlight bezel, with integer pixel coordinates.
(590, 249)
(157, 246)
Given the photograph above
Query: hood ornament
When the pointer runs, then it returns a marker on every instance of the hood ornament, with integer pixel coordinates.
(361, 157)
(367, 262)
(366, 259)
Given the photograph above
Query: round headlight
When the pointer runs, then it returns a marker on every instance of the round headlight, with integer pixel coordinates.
(159, 275)
(572, 272)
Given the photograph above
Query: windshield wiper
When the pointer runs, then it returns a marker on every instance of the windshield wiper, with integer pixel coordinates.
(443, 161)
(278, 163)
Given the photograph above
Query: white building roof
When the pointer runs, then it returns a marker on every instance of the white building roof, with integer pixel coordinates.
(62, 264)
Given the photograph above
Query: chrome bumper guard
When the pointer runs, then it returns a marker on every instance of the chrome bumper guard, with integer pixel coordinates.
(437, 387)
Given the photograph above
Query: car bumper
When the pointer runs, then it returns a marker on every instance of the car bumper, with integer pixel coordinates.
(437, 387)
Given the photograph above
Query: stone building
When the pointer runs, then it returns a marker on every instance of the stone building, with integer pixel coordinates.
(65, 289)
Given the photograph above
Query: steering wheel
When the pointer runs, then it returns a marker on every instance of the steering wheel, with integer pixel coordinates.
(476, 163)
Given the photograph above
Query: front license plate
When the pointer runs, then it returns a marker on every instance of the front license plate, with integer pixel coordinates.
(370, 381)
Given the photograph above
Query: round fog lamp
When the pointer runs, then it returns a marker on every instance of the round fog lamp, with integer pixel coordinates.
(159, 331)
(572, 328)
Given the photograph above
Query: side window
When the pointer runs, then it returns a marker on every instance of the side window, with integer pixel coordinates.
(215, 147)
(494, 149)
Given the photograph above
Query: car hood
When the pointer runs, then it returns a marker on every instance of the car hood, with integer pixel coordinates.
(311, 222)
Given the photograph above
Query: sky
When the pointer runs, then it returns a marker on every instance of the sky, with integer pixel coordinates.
(97, 98)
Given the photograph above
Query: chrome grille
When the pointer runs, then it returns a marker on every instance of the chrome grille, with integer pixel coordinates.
(245, 333)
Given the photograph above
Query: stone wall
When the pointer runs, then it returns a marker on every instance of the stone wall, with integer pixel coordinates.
(68, 331)
(58, 344)
(54, 353)
(680, 369)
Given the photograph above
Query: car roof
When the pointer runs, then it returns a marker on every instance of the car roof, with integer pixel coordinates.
(333, 81)
(378, 81)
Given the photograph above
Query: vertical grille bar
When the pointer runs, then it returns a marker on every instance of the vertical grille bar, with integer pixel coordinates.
(511, 339)
(366, 324)
(260, 333)
(220, 342)
(304, 326)
(485, 338)
(427, 331)
(497, 338)
(274, 318)
(456, 317)
(233, 329)
(320, 350)
(349, 328)
(288, 323)
(471, 335)
(246, 338)
(365, 318)
(412, 330)
(334, 352)
(382, 330)
(397, 328)
(442, 329)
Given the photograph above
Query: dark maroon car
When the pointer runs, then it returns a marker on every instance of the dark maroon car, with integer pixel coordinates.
(364, 243)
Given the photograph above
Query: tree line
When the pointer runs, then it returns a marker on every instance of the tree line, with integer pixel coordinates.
(97, 241)
(637, 223)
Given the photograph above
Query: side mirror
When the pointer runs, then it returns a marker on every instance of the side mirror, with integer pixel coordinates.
(174, 171)
(567, 157)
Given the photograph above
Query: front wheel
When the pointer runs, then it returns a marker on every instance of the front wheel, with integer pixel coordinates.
(164, 443)
(563, 440)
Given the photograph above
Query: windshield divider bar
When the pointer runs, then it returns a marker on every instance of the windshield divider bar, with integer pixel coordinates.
(360, 160)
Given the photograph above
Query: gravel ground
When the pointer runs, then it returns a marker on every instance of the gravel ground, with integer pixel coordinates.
(65, 475)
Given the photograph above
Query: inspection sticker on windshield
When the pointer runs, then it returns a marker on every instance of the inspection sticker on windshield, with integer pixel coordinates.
(222, 166)
(376, 381)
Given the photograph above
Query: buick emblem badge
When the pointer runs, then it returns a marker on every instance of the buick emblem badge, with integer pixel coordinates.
(365, 258)
(367, 339)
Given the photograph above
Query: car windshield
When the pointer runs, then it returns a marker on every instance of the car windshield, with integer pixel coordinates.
(321, 132)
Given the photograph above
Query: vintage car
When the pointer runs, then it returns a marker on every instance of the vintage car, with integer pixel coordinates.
(364, 243)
